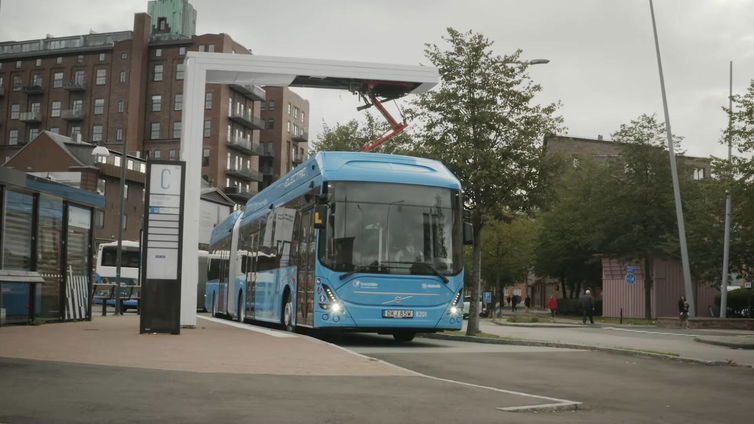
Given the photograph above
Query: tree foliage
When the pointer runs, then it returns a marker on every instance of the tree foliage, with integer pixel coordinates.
(482, 122)
(355, 135)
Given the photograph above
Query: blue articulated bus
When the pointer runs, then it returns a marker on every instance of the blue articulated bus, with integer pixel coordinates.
(346, 241)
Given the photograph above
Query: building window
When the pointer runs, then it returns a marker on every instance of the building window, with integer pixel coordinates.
(182, 51)
(177, 129)
(295, 112)
(180, 69)
(121, 106)
(38, 62)
(158, 72)
(55, 130)
(17, 83)
(33, 133)
(123, 76)
(101, 184)
(57, 80)
(59, 60)
(271, 105)
(201, 47)
(156, 154)
(124, 55)
(15, 111)
(101, 77)
(154, 133)
(80, 59)
(13, 137)
(55, 109)
(77, 105)
(99, 106)
(78, 77)
(210, 47)
(178, 104)
(208, 101)
(289, 108)
(119, 134)
(36, 80)
(158, 52)
(288, 129)
(101, 57)
(207, 128)
(97, 133)
(171, 154)
(302, 116)
(205, 157)
(269, 124)
(75, 131)
(156, 103)
(19, 64)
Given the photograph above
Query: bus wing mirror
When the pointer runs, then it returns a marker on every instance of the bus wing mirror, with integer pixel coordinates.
(320, 213)
(468, 233)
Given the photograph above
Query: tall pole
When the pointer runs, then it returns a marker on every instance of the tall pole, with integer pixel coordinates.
(676, 189)
(119, 249)
(726, 242)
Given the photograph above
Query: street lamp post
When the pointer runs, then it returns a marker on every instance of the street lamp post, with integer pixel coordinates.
(726, 241)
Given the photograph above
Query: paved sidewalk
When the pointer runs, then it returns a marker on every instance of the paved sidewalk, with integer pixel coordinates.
(680, 344)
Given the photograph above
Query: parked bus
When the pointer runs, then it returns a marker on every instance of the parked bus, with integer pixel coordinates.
(106, 268)
(346, 241)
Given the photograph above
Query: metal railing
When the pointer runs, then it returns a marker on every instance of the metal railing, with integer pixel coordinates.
(72, 114)
(32, 116)
(75, 85)
(245, 146)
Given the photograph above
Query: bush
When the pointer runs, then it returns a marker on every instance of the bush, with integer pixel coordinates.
(573, 307)
(738, 303)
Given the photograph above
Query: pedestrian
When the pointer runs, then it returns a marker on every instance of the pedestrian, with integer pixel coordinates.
(553, 305)
(509, 301)
(514, 301)
(683, 311)
(587, 307)
(527, 303)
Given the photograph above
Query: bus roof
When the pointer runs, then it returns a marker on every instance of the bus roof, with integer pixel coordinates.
(349, 166)
(224, 228)
(124, 243)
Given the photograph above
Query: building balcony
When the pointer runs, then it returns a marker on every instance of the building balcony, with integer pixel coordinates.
(244, 173)
(238, 194)
(247, 120)
(301, 138)
(250, 91)
(245, 146)
(33, 89)
(30, 117)
(298, 159)
(72, 114)
(268, 170)
(268, 151)
(75, 85)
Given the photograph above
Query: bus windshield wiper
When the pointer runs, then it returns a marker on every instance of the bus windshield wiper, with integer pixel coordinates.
(355, 270)
(433, 271)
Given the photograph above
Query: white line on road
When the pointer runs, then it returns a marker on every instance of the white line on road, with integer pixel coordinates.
(273, 333)
(650, 332)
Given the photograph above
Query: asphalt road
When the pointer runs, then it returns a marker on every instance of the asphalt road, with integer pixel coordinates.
(612, 388)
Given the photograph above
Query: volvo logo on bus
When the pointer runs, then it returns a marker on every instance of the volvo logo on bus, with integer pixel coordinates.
(397, 299)
(430, 286)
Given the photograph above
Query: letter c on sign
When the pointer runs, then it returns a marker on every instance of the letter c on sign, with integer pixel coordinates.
(163, 180)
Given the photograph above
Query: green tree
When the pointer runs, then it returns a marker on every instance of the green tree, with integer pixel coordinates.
(572, 234)
(483, 124)
(643, 224)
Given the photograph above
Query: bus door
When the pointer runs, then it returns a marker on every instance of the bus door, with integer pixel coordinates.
(305, 271)
(251, 276)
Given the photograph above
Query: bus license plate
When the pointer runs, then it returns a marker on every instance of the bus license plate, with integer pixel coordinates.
(397, 313)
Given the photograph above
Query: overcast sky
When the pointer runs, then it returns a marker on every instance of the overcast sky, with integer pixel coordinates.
(603, 66)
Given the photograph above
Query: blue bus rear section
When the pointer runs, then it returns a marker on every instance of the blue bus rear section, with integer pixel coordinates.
(347, 275)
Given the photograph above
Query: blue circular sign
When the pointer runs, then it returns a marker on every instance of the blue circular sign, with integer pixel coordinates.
(630, 278)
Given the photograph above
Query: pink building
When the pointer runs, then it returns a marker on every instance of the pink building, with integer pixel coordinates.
(618, 291)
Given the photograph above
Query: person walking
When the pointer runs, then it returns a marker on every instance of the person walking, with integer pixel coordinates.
(587, 307)
(683, 311)
(552, 304)
(514, 302)
(527, 303)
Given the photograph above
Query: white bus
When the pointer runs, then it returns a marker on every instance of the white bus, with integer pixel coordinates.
(129, 267)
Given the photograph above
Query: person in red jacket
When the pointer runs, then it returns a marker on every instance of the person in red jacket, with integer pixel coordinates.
(553, 305)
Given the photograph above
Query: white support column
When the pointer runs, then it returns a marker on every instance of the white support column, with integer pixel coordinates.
(192, 123)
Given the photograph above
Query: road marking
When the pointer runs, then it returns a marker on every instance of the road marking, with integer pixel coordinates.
(557, 404)
(650, 332)
(273, 333)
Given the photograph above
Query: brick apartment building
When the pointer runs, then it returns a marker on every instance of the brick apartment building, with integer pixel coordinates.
(285, 137)
(124, 90)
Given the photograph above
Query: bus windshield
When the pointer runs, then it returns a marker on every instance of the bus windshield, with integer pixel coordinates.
(129, 257)
(392, 228)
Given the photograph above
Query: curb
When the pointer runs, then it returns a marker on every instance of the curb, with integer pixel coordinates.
(630, 352)
(732, 345)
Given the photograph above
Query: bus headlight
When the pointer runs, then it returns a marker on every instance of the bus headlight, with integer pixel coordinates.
(333, 305)
(336, 308)
(453, 310)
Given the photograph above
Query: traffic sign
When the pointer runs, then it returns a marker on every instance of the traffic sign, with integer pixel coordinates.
(487, 297)
(630, 278)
